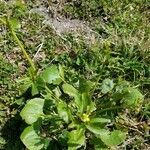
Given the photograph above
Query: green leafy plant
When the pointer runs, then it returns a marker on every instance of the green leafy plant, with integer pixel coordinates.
(76, 114)
(63, 114)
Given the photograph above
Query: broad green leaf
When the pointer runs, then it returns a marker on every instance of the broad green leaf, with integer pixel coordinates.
(32, 140)
(51, 75)
(32, 110)
(64, 111)
(96, 129)
(114, 138)
(71, 91)
(107, 85)
(84, 102)
(133, 98)
(15, 24)
(99, 120)
(76, 138)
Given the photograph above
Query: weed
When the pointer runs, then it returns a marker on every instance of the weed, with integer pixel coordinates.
(87, 96)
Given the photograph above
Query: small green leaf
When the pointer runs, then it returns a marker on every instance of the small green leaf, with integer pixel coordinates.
(32, 110)
(107, 85)
(99, 120)
(51, 75)
(32, 140)
(114, 138)
(76, 138)
(64, 111)
(96, 129)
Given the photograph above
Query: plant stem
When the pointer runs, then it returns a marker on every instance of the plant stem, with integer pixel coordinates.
(2, 20)
(20, 45)
(52, 94)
